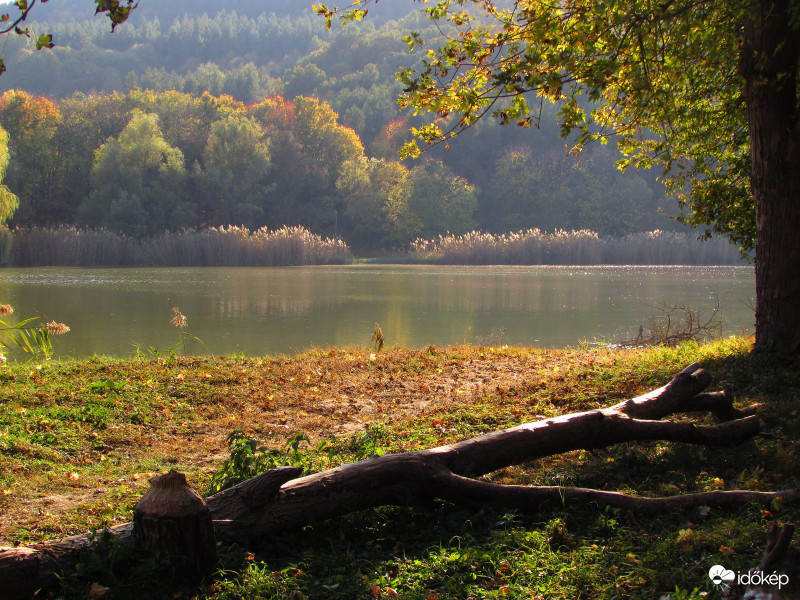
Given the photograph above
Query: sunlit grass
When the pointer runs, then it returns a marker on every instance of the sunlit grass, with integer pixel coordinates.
(79, 440)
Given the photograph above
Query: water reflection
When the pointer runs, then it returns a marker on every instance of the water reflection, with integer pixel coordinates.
(274, 310)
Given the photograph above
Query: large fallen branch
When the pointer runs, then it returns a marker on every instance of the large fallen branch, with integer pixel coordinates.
(279, 500)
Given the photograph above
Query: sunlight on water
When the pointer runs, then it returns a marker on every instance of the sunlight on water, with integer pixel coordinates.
(279, 310)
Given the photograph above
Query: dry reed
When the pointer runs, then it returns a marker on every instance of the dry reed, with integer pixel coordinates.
(583, 247)
(218, 246)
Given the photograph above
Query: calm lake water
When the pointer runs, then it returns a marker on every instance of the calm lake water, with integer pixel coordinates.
(261, 311)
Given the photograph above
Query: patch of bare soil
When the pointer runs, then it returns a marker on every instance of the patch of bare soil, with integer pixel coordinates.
(338, 393)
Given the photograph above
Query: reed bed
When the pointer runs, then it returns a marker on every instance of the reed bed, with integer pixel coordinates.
(583, 247)
(213, 247)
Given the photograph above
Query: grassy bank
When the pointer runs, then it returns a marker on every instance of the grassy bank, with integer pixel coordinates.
(79, 440)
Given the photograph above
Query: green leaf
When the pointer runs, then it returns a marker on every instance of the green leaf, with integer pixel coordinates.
(44, 41)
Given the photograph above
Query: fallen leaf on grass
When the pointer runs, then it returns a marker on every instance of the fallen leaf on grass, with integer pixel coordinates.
(97, 590)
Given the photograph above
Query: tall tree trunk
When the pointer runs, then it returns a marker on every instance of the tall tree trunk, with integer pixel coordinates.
(769, 65)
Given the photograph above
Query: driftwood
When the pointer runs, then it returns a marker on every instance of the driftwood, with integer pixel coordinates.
(280, 500)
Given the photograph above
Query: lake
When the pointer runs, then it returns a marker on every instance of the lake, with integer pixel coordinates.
(274, 310)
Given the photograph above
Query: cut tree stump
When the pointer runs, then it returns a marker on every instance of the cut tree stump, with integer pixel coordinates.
(172, 523)
(281, 500)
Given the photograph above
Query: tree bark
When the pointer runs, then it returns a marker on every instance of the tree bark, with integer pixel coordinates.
(781, 563)
(277, 500)
(769, 65)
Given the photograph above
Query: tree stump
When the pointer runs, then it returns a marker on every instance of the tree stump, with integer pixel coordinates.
(173, 524)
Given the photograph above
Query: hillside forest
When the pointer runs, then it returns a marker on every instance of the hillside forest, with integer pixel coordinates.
(194, 115)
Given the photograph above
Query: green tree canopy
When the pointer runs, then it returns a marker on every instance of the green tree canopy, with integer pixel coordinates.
(8, 201)
(429, 201)
(136, 182)
(327, 147)
(31, 123)
(236, 164)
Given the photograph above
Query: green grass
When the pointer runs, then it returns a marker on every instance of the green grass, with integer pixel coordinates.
(54, 417)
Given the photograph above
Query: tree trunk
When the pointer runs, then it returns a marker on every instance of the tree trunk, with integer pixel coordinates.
(276, 501)
(769, 65)
(780, 565)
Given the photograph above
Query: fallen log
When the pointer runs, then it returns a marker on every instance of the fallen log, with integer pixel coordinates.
(281, 500)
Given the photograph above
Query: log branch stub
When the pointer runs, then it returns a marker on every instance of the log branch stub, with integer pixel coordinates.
(173, 523)
(668, 399)
(721, 405)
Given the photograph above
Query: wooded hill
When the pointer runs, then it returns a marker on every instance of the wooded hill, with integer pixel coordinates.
(259, 117)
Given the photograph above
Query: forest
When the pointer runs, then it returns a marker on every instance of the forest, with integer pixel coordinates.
(194, 117)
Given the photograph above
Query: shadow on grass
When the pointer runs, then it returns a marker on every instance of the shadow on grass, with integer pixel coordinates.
(576, 551)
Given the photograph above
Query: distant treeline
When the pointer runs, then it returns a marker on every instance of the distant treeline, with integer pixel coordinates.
(534, 247)
(146, 162)
(215, 247)
(198, 114)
